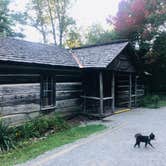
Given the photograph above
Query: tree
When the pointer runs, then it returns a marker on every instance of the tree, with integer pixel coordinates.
(97, 35)
(5, 23)
(7, 20)
(144, 23)
(139, 20)
(73, 38)
(64, 21)
(156, 64)
(52, 20)
(37, 17)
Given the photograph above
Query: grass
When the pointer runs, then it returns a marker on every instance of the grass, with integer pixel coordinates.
(32, 150)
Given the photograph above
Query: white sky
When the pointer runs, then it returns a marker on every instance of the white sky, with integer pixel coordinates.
(85, 12)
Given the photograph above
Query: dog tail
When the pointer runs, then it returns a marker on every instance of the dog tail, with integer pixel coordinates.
(137, 135)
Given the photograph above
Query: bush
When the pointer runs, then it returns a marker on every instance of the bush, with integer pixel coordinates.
(146, 100)
(150, 101)
(6, 142)
(35, 128)
(41, 125)
(155, 100)
(25, 131)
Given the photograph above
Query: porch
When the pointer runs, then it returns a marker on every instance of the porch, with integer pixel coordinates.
(107, 92)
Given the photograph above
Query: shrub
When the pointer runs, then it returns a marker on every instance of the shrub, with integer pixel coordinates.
(59, 124)
(150, 101)
(25, 131)
(146, 100)
(155, 100)
(41, 125)
(6, 142)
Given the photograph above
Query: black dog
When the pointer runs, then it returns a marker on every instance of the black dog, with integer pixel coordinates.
(146, 139)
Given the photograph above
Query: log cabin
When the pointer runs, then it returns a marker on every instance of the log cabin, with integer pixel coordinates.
(38, 79)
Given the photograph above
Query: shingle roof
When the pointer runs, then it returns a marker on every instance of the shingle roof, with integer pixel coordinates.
(98, 56)
(22, 51)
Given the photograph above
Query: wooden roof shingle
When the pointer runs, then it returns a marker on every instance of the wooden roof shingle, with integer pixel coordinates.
(14, 50)
(98, 56)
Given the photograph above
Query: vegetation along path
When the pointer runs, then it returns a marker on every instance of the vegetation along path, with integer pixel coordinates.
(114, 147)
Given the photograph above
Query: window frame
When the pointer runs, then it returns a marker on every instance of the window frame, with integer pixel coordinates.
(45, 89)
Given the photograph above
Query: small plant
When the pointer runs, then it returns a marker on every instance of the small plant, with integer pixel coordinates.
(146, 100)
(25, 131)
(6, 142)
(155, 100)
(150, 101)
(41, 125)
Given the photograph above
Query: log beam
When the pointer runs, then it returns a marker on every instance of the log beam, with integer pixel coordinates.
(130, 89)
(101, 92)
(113, 91)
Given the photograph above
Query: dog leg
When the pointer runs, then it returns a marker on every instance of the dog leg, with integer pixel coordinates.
(139, 144)
(135, 144)
(146, 144)
(150, 144)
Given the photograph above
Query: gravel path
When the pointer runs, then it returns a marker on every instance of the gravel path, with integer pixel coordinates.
(114, 147)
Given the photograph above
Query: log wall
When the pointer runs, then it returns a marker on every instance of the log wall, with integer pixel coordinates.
(124, 91)
(20, 96)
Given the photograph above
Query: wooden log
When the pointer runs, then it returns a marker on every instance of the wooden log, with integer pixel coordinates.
(62, 95)
(17, 99)
(130, 89)
(135, 104)
(68, 86)
(101, 92)
(14, 120)
(68, 78)
(19, 89)
(90, 97)
(113, 91)
(19, 78)
(69, 109)
(19, 109)
(68, 103)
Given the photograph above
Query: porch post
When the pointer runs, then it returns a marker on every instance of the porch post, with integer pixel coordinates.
(130, 89)
(101, 92)
(113, 91)
(135, 91)
(84, 99)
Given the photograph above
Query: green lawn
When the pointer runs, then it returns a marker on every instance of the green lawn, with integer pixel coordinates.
(34, 149)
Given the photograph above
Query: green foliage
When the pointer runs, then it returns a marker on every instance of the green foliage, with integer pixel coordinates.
(25, 131)
(8, 19)
(97, 35)
(155, 100)
(36, 148)
(39, 126)
(150, 101)
(6, 142)
(73, 38)
(144, 23)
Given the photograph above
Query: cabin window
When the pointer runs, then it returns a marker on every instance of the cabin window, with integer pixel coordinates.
(47, 92)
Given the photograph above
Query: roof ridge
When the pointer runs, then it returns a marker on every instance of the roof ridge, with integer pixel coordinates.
(102, 44)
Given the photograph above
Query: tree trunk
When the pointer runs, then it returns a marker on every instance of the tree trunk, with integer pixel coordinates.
(52, 22)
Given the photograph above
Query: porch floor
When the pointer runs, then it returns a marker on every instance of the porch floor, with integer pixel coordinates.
(106, 113)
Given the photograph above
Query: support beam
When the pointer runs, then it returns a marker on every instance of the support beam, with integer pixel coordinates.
(135, 101)
(130, 89)
(113, 91)
(84, 99)
(101, 92)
